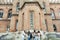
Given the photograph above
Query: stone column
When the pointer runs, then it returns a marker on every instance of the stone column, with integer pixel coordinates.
(13, 24)
(13, 19)
(49, 23)
(5, 15)
(43, 25)
(26, 20)
(36, 21)
(20, 21)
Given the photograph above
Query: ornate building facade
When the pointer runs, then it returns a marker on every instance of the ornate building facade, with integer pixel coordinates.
(18, 15)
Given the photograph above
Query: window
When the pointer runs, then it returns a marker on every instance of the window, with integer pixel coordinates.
(18, 7)
(10, 13)
(52, 14)
(54, 26)
(7, 1)
(16, 24)
(31, 18)
(8, 28)
(53, 17)
(1, 13)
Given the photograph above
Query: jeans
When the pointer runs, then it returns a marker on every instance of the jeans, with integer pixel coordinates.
(36, 38)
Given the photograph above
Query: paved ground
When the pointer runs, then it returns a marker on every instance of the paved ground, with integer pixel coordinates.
(15, 36)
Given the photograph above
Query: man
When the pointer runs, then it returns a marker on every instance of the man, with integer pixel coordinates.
(22, 35)
(38, 35)
(42, 35)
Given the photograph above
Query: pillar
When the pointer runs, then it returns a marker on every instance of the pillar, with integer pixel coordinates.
(5, 15)
(13, 24)
(26, 20)
(36, 21)
(20, 21)
(49, 23)
(42, 18)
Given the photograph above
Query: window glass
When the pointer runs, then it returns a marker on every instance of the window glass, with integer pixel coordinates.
(31, 18)
(8, 28)
(54, 26)
(16, 25)
(1, 13)
(10, 13)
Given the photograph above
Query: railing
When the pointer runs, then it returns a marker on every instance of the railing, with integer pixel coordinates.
(6, 1)
(11, 1)
(54, 1)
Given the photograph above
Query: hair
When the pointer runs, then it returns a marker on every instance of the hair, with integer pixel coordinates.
(34, 31)
(38, 31)
(28, 32)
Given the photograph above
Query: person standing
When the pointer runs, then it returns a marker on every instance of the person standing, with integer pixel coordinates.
(34, 35)
(38, 35)
(22, 35)
(28, 35)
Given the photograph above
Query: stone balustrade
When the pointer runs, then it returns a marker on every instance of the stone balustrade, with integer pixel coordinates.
(54, 1)
(6, 1)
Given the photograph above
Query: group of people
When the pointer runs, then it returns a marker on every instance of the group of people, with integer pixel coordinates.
(34, 35)
(31, 35)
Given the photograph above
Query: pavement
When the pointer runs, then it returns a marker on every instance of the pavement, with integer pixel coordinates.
(17, 36)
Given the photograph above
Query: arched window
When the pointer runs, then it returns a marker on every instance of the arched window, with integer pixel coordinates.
(52, 14)
(54, 26)
(10, 13)
(1, 13)
(31, 19)
(18, 7)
